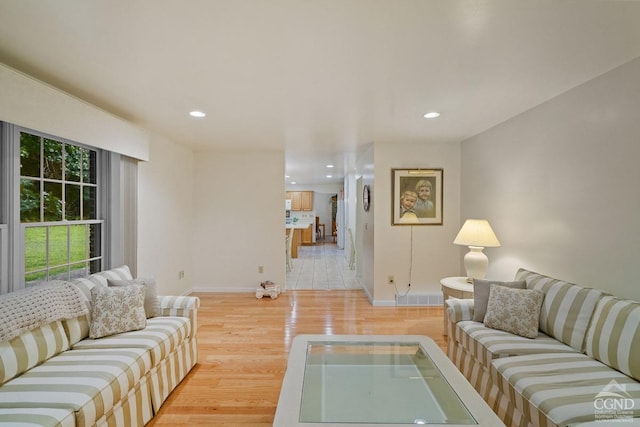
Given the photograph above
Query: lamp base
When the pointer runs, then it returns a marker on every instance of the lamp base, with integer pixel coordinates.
(475, 263)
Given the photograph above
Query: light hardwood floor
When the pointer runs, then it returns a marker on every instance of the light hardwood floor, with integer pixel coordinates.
(244, 343)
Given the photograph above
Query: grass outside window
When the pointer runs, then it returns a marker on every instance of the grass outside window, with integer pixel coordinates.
(67, 247)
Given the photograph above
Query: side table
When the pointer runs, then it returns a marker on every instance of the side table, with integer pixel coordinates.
(454, 287)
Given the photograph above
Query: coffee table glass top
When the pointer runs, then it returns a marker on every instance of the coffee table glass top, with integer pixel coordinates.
(376, 380)
(376, 383)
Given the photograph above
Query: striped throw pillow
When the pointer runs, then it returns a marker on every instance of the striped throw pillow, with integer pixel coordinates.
(614, 335)
(566, 310)
(30, 349)
(120, 273)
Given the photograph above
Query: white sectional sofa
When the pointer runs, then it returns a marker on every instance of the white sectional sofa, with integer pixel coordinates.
(582, 368)
(53, 374)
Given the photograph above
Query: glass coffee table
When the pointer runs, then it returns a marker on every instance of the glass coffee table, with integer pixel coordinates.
(377, 380)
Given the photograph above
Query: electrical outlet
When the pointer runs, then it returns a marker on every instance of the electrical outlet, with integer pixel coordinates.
(391, 280)
(260, 269)
(180, 274)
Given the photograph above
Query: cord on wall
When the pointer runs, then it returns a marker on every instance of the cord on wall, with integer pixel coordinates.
(410, 266)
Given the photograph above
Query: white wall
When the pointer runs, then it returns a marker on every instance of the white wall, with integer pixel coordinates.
(33, 104)
(238, 220)
(559, 185)
(364, 222)
(165, 212)
(434, 255)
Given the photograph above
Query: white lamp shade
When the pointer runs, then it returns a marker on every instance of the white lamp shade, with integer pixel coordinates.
(477, 232)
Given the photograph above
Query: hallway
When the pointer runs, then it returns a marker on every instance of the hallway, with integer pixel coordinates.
(322, 266)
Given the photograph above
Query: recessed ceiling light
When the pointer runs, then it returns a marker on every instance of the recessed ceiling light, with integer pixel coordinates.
(329, 176)
(293, 182)
(329, 166)
(287, 176)
(432, 115)
(198, 114)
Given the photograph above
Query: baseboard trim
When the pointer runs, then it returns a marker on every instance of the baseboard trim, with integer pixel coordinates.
(220, 290)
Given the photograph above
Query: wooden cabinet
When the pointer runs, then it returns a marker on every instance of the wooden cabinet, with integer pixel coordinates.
(307, 200)
(296, 200)
(307, 236)
(300, 200)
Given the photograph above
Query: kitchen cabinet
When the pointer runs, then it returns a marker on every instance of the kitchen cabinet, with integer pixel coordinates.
(307, 236)
(307, 200)
(296, 200)
(300, 200)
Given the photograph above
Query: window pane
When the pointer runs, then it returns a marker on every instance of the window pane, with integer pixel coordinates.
(59, 273)
(33, 279)
(29, 200)
(35, 248)
(29, 155)
(52, 167)
(72, 202)
(52, 201)
(73, 162)
(58, 183)
(89, 169)
(95, 241)
(58, 254)
(90, 203)
(78, 270)
(79, 245)
(95, 266)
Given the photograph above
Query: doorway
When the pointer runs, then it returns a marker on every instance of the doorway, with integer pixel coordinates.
(323, 265)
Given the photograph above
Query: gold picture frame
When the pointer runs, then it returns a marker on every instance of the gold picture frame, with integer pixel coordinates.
(416, 196)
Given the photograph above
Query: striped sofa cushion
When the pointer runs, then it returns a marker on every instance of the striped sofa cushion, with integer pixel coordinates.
(30, 349)
(41, 417)
(182, 306)
(459, 309)
(486, 344)
(78, 328)
(161, 336)
(614, 335)
(566, 310)
(120, 273)
(85, 381)
(560, 389)
(85, 284)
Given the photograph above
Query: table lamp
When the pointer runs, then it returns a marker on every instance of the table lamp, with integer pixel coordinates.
(477, 235)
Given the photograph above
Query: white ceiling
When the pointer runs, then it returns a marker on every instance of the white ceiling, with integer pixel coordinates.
(317, 78)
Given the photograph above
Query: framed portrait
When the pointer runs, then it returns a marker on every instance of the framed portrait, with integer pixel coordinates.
(416, 196)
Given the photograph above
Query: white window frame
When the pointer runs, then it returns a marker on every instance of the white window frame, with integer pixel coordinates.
(12, 268)
(41, 180)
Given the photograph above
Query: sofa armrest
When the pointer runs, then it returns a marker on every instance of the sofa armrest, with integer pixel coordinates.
(181, 306)
(459, 309)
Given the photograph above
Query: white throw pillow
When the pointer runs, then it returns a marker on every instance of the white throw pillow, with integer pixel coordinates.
(514, 310)
(116, 309)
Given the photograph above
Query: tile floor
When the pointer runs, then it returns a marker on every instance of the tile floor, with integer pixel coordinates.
(322, 266)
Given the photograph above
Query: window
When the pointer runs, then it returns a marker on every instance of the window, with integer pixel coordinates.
(58, 209)
(66, 209)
